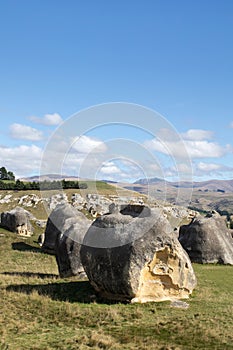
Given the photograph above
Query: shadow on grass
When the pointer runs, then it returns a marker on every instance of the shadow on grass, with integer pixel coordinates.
(22, 246)
(73, 292)
(30, 274)
(80, 291)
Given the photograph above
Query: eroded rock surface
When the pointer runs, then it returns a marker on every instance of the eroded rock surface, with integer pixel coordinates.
(134, 255)
(65, 229)
(208, 240)
(68, 248)
(60, 219)
(17, 220)
(178, 216)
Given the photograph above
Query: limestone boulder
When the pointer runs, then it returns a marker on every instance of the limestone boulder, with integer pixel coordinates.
(59, 220)
(6, 199)
(68, 248)
(178, 216)
(132, 254)
(17, 220)
(231, 222)
(208, 240)
(29, 200)
(56, 199)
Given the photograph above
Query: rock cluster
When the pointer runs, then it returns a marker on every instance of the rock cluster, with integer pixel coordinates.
(6, 199)
(130, 252)
(29, 200)
(57, 199)
(98, 205)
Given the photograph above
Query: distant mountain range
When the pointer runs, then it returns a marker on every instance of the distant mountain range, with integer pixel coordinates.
(141, 184)
(209, 185)
(154, 180)
(49, 177)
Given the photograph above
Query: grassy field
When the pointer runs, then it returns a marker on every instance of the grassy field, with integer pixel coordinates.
(39, 310)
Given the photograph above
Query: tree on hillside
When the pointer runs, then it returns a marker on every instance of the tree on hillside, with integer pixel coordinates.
(3, 173)
(6, 175)
(19, 185)
(11, 176)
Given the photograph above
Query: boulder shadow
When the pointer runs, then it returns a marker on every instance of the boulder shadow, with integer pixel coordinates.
(31, 274)
(22, 246)
(73, 292)
(80, 291)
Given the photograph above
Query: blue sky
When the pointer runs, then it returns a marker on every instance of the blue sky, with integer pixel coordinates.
(175, 57)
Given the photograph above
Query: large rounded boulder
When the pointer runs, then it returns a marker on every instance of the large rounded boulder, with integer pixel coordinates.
(64, 233)
(68, 248)
(59, 220)
(133, 255)
(207, 240)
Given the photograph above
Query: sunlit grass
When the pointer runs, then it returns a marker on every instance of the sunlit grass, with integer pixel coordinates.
(39, 310)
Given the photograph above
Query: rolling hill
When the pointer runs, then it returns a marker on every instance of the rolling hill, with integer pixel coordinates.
(209, 185)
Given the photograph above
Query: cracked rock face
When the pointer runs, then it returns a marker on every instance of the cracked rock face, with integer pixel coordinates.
(64, 234)
(133, 256)
(208, 240)
(68, 248)
(17, 220)
(59, 221)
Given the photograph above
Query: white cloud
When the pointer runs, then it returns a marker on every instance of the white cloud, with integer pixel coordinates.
(78, 155)
(86, 144)
(208, 167)
(197, 170)
(109, 168)
(25, 132)
(22, 160)
(204, 149)
(231, 125)
(22, 151)
(197, 135)
(183, 168)
(185, 148)
(48, 119)
(212, 169)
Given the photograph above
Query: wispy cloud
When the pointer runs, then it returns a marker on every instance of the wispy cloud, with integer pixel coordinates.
(25, 132)
(209, 167)
(48, 119)
(212, 169)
